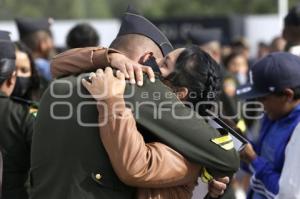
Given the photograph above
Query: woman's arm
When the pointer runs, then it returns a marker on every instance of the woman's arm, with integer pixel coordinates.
(136, 163)
(79, 60)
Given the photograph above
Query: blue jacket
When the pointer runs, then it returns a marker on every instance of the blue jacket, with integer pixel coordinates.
(43, 68)
(270, 150)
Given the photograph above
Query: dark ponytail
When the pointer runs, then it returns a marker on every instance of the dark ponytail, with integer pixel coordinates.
(198, 72)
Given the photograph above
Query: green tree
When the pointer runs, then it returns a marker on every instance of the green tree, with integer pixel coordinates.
(67, 9)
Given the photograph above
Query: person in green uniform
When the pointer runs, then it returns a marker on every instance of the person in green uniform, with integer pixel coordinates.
(16, 123)
(68, 159)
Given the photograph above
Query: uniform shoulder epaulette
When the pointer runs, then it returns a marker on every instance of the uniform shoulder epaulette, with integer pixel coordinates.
(32, 105)
(21, 100)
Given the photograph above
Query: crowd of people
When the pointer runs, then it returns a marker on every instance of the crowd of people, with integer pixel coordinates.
(131, 120)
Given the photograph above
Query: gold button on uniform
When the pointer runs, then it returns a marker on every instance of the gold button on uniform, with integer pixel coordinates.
(98, 176)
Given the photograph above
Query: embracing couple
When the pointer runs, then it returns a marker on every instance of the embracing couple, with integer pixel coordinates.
(128, 156)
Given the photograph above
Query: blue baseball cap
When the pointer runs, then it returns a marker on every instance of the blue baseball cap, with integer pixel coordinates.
(273, 73)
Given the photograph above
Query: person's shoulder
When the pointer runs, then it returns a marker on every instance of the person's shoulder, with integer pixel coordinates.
(24, 107)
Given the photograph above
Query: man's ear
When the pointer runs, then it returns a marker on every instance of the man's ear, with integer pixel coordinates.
(289, 93)
(12, 80)
(182, 93)
(145, 57)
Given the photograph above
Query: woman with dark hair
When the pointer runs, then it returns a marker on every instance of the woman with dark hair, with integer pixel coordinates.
(195, 78)
(28, 82)
(198, 75)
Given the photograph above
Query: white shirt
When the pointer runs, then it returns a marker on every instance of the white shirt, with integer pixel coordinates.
(289, 183)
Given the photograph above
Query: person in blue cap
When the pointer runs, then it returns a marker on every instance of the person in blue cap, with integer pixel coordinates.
(36, 35)
(275, 82)
(16, 123)
(91, 174)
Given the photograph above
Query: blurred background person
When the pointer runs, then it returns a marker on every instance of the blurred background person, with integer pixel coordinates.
(28, 82)
(277, 44)
(263, 50)
(37, 36)
(241, 45)
(236, 64)
(291, 31)
(82, 35)
(235, 73)
(208, 40)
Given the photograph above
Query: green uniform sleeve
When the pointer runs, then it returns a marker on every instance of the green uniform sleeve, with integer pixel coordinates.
(157, 109)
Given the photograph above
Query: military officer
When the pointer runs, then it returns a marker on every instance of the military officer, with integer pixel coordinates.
(16, 121)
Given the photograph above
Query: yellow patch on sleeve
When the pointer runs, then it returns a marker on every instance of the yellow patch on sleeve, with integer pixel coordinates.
(225, 142)
(205, 176)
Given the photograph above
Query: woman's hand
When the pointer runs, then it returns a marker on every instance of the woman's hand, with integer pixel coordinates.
(132, 70)
(104, 85)
(217, 187)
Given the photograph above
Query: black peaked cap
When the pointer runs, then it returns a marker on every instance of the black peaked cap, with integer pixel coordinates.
(134, 23)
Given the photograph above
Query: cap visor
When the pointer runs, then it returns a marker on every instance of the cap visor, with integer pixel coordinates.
(249, 92)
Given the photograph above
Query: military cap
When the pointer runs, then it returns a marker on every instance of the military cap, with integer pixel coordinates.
(134, 23)
(5, 35)
(293, 17)
(28, 26)
(272, 73)
(204, 36)
(7, 59)
(7, 56)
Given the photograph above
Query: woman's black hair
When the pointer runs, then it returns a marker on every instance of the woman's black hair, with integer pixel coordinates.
(200, 74)
(32, 93)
